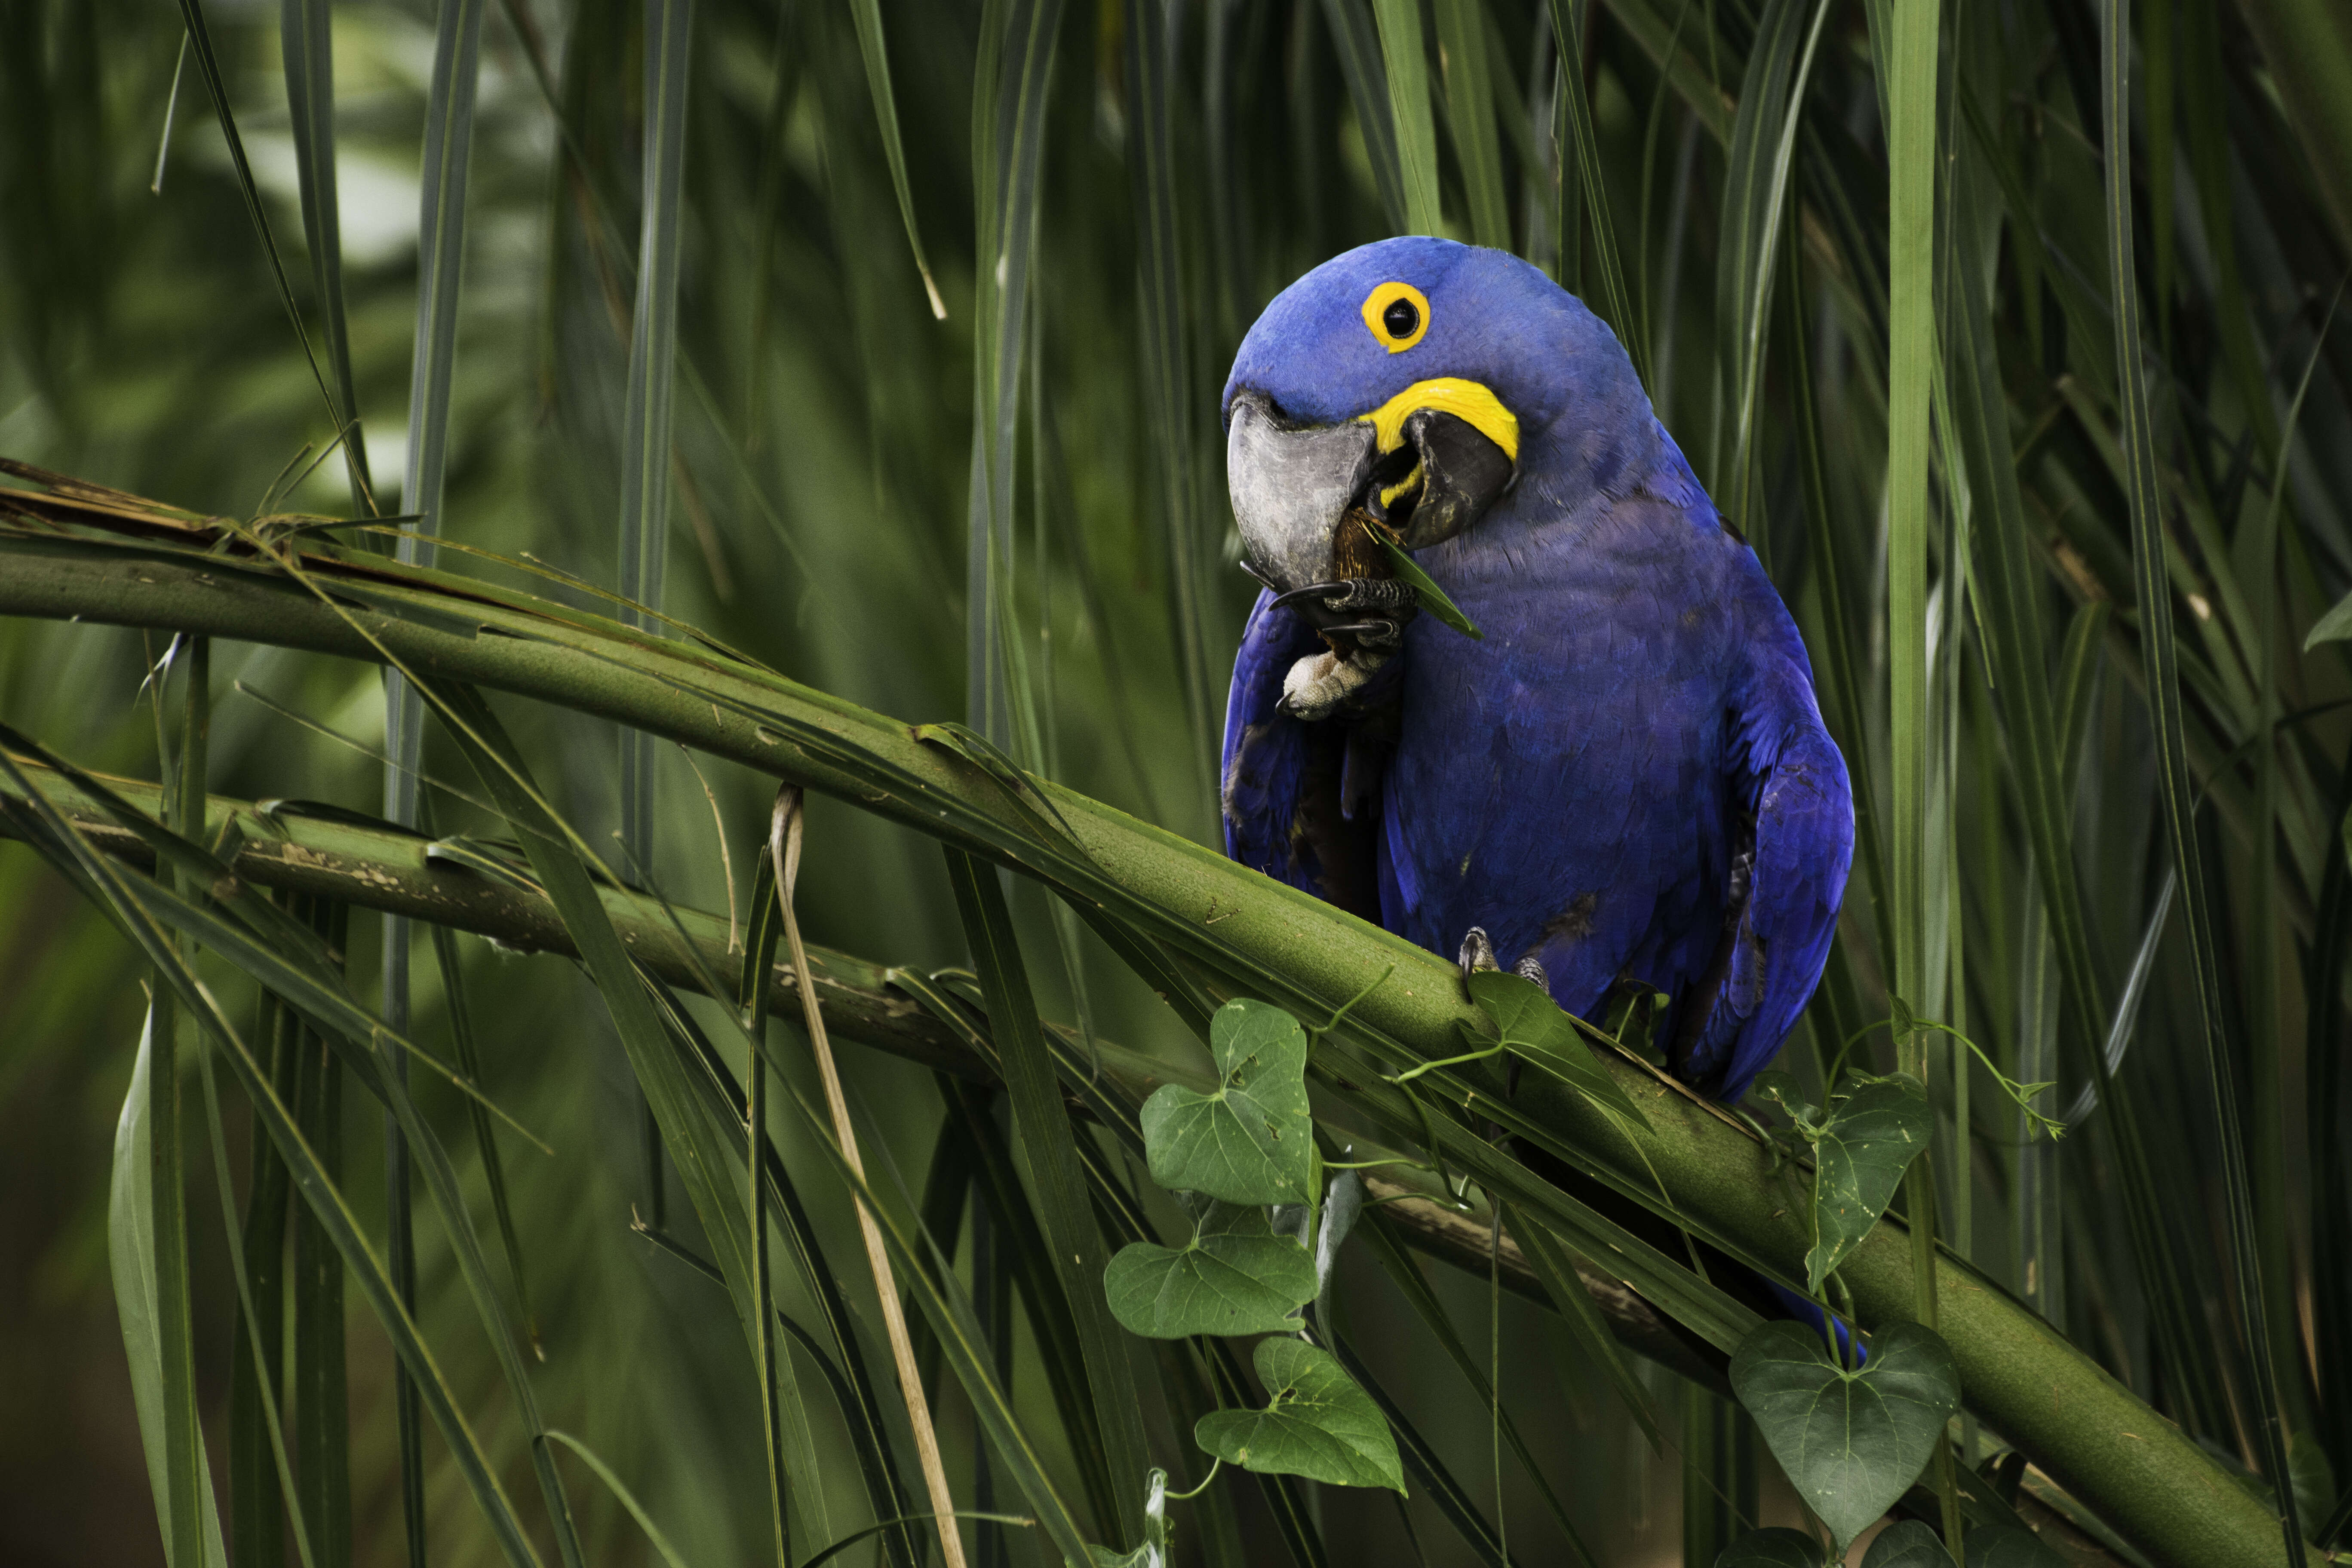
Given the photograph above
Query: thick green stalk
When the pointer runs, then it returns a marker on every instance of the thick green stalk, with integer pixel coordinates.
(2021, 1376)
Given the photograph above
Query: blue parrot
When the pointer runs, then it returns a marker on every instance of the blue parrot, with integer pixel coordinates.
(1626, 778)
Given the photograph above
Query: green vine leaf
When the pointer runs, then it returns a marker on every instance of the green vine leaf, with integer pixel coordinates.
(1861, 1149)
(1319, 1424)
(1252, 1139)
(1852, 1442)
(1531, 1024)
(1236, 1277)
(1909, 1544)
(1771, 1549)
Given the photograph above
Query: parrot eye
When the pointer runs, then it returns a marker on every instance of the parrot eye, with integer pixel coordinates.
(1398, 315)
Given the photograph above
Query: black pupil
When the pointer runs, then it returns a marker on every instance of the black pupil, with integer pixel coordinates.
(1401, 319)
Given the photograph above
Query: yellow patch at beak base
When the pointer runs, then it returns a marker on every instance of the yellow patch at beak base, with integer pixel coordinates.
(1465, 400)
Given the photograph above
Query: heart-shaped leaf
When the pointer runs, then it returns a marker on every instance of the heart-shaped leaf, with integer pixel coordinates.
(1236, 1277)
(1909, 1544)
(1865, 1143)
(1852, 1442)
(1533, 1027)
(1318, 1424)
(1252, 1139)
(1771, 1549)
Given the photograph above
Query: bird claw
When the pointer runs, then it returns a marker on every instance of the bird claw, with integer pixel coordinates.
(1389, 601)
(1319, 685)
(1477, 956)
(1372, 594)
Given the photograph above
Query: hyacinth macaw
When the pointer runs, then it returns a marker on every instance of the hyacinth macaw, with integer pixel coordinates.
(1627, 779)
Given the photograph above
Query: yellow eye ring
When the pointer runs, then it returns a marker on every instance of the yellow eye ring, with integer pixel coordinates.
(1398, 314)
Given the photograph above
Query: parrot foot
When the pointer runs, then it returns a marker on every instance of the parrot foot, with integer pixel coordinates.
(1477, 954)
(1320, 683)
(1389, 601)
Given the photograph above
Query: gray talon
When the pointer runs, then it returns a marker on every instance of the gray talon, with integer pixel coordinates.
(1478, 952)
(1531, 968)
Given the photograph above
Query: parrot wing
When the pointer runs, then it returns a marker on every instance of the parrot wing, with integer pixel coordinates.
(1788, 880)
(1298, 799)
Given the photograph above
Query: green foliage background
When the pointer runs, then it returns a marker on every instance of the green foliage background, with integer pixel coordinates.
(824, 517)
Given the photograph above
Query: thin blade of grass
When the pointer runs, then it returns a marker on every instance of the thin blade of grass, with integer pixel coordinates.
(1019, 1251)
(1055, 1187)
(469, 1062)
(1585, 151)
(867, 15)
(1404, 1271)
(784, 852)
(950, 1312)
(758, 959)
(645, 452)
(200, 37)
(1470, 116)
(441, 249)
(1407, 62)
(259, 1344)
(321, 1377)
(306, 41)
(1755, 192)
(1837, 618)
(1427, 1470)
(1558, 1273)
(150, 1294)
(1166, 360)
(628, 1500)
(1355, 36)
(729, 1106)
(2176, 788)
(259, 1479)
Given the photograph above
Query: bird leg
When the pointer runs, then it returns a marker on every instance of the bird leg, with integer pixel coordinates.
(1478, 952)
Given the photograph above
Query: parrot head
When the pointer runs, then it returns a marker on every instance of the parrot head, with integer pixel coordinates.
(1415, 382)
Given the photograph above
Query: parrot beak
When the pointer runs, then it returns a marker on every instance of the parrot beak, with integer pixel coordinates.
(1426, 464)
(1292, 485)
